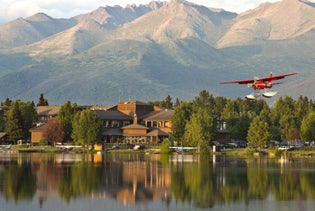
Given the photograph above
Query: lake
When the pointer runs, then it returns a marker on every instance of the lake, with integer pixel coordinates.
(136, 181)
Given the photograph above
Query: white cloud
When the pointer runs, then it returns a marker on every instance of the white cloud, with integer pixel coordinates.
(12, 9)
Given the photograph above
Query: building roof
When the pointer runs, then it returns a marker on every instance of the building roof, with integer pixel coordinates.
(157, 132)
(112, 115)
(135, 126)
(112, 132)
(48, 110)
(102, 107)
(39, 128)
(133, 102)
(164, 115)
(3, 134)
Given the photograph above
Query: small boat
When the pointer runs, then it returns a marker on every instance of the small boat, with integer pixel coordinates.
(5, 147)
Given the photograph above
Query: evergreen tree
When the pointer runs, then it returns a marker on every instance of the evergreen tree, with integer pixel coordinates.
(167, 103)
(14, 122)
(220, 103)
(204, 100)
(2, 123)
(42, 101)
(308, 127)
(176, 102)
(65, 118)
(258, 133)
(87, 128)
(7, 102)
(28, 113)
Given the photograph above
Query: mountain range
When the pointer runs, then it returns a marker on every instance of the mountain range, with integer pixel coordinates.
(147, 52)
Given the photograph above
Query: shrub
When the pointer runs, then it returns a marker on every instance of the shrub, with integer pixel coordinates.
(165, 146)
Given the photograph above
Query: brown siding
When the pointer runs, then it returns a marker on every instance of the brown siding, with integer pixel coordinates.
(36, 136)
(132, 131)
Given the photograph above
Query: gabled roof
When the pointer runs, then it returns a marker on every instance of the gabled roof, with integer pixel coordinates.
(112, 115)
(47, 110)
(39, 128)
(164, 115)
(135, 126)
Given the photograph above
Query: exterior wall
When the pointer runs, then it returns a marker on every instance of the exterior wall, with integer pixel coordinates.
(131, 108)
(127, 108)
(165, 129)
(36, 136)
(135, 131)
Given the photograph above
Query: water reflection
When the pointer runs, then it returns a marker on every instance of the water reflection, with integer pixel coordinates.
(170, 182)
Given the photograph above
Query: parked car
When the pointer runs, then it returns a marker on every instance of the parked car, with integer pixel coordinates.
(138, 147)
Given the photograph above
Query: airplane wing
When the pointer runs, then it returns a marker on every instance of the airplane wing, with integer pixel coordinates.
(239, 82)
(277, 77)
(260, 79)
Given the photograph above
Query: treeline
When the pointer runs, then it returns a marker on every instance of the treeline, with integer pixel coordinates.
(81, 126)
(195, 122)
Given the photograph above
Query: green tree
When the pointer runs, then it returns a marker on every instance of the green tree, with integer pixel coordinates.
(165, 146)
(2, 123)
(87, 128)
(167, 103)
(284, 119)
(179, 119)
(204, 100)
(65, 118)
(308, 127)
(42, 101)
(176, 102)
(7, 102)
(200, 130)
(258, 133)
(220, 103)
(28, 113)
(14, 122)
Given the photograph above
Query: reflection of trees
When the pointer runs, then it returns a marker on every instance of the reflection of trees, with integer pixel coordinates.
(257, 178)
(286, 185)
(235, 187)
(308, 184)
(79, 180)
(19, 182)
(193, 183)
(198, 184)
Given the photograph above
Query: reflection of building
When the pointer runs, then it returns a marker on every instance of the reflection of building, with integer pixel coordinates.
(144, 181)
(128, 121)
(129, 180)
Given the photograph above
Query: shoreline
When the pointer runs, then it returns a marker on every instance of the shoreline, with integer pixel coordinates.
(270, 153)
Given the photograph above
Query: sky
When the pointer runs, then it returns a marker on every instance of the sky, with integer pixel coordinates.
(12, 9)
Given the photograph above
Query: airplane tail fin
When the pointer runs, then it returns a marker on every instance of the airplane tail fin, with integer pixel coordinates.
(270, 75)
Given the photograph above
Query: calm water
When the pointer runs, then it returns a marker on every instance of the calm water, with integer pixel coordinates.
(151, 182)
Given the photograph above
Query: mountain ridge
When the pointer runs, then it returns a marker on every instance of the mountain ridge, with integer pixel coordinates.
(150, 51)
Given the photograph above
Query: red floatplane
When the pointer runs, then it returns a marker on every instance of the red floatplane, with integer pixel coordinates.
(261, 84)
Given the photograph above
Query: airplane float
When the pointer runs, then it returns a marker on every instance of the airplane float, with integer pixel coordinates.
(261, 84)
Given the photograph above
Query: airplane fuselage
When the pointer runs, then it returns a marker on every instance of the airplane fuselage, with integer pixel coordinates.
(262, 85)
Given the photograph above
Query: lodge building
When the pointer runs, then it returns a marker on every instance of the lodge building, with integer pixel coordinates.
(127, 122)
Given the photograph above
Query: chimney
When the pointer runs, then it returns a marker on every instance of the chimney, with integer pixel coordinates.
(135, 119)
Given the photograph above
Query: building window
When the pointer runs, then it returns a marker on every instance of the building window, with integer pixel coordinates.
(115, 123)
(126, 123)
